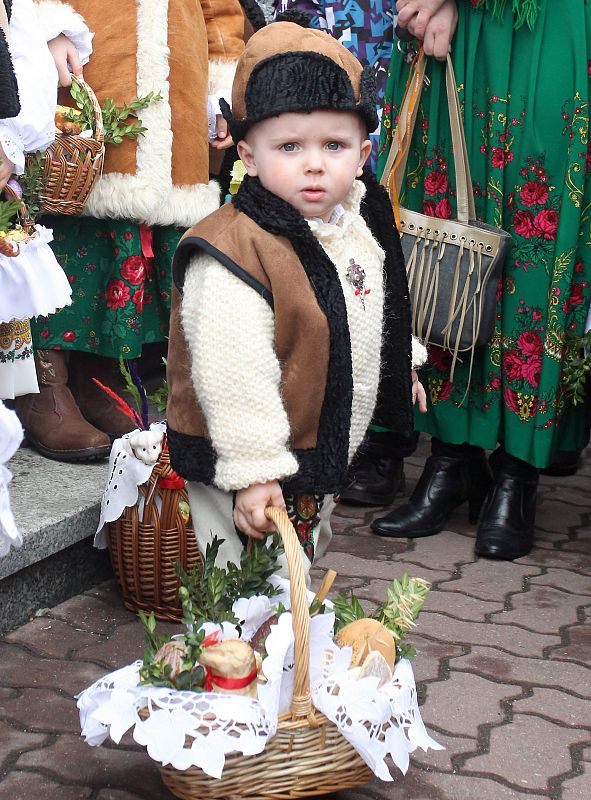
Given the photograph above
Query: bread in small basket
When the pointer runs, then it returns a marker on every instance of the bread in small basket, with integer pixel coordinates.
(74, 161)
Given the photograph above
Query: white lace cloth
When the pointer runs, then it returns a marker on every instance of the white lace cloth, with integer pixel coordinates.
(377, 722)
(11, 435)
(126, 474)
(33, 283)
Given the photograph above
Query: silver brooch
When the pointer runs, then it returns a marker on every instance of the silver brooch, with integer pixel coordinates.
(356, 278)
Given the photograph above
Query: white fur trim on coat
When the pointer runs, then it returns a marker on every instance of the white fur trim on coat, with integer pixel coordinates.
(149, 196)
(56, 18)
(221, 78)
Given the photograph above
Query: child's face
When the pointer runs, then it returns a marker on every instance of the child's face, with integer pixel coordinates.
(309, 160)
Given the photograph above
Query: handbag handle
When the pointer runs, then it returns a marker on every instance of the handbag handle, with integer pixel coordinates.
(402, 137)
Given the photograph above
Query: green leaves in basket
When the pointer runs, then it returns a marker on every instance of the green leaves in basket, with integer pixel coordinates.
(118, 122)
(398, 613)
(8, 212)
(207, 594)
(161, 653)
(577, 367)
(32, 182)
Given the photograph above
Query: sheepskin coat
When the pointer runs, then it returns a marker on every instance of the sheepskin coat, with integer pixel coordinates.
(184, 50)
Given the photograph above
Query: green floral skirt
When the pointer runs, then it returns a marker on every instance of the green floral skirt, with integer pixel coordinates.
(525, 98)
(121, 277)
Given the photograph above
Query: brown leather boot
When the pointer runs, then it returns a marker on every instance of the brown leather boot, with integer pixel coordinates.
(94, 403)
(52, 420)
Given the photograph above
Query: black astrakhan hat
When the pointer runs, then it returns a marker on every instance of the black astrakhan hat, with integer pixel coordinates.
(287, 68)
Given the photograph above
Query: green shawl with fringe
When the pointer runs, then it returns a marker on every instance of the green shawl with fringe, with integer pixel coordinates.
(525, 11)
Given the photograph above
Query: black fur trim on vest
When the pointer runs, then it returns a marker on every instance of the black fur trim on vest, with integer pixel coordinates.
(394, 405)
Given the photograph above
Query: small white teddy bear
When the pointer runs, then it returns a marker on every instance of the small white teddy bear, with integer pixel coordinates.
(144, 445)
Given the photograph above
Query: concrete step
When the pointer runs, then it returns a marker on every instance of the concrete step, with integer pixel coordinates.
(56, 507)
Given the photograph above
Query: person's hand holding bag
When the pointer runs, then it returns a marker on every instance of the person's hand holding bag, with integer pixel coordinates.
(432, 21)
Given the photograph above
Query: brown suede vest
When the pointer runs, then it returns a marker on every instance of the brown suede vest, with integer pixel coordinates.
(301, 328)
(268, 244)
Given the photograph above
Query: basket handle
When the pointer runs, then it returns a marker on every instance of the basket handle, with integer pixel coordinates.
(99, 131)
(301, 701)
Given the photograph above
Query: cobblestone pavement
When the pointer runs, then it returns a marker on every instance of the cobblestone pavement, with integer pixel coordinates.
(503, 666)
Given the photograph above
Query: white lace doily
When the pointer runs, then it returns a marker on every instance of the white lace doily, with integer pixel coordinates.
(377, 722)
(126, 474)
(33, 283)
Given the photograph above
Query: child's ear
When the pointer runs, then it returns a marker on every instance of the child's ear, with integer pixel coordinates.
(363, 156)
(247, 157)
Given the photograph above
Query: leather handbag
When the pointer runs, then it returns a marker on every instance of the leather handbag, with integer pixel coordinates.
(453, 265)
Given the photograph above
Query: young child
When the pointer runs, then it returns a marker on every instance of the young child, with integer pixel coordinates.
(281, 299)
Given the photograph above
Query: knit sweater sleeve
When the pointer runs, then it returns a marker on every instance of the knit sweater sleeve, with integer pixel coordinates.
(237, 376)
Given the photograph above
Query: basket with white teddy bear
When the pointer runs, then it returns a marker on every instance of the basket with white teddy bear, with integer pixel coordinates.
(145, 518)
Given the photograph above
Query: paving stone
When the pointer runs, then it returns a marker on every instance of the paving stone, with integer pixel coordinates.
(13, 742)
(527, 671)
(461, 606)
(426, 665)
(92, 614)
(52, 637)
(347, 564)
(43, 711)
(559, 516)
(27, 785)
(541, 609)
(122, 794)
(465, 787)
(124, 646)
(578, 788)
(574, 562)
(578, 647)
(99, 767)
(531, 750)
(19, 669)
(506, 637)
(463, 703)
(559, 706)
(567, 581)
(415, 785)
(490, 580)
(447, 550)
(441, 760)
(369, 547)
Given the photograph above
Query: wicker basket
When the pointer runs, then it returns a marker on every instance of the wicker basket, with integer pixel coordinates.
(308, 755)
(72, 164)
(144, 547)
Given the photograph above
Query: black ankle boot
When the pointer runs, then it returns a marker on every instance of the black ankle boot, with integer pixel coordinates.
(376, 474)
(506, 528)
(452, 476)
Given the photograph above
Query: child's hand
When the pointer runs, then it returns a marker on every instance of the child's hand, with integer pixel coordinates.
(418, 393)
(249, 508)
(224, 139)
(66, 59)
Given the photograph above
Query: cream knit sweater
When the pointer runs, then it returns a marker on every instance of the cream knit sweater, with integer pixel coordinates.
(236, 373)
